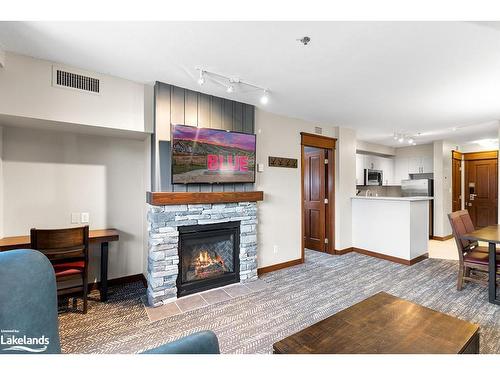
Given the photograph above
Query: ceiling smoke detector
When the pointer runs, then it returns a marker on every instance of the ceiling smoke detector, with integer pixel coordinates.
(305, 40)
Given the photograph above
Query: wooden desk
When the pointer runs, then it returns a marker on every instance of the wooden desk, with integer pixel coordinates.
(490, 234)
(384, 324)
(100, 236)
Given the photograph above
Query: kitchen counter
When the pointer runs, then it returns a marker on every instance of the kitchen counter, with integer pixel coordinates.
(411, 199)
(394, 228)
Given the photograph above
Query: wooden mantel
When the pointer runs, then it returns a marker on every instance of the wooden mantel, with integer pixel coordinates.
(168, 198)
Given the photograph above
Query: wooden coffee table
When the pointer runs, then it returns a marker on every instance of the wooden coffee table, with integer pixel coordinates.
(384, 324)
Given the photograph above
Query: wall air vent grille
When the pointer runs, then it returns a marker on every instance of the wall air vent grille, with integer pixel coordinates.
(318, 130)
(63, 78)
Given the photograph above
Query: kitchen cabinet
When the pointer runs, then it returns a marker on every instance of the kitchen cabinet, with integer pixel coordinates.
(402, 168)
(420, 164)
(360, 169)
(366, 161)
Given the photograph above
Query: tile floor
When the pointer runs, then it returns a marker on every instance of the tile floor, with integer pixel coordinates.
(203, 299)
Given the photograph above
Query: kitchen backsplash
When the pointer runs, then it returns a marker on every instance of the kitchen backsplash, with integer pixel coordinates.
(381, 191)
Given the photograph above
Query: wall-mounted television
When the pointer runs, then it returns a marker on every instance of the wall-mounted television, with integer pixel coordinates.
(211, 156)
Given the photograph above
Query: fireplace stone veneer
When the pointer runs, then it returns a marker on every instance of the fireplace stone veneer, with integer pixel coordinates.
(163, 252)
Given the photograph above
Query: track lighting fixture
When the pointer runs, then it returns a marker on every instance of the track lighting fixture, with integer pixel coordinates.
(264, 99)
(231, 83)
(201, 79)
(401, 137)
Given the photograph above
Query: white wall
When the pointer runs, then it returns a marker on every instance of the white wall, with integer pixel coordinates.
(1, 182)
(26, 90)
(415, 151)
(442, 187)
(375, 148)
(50, 174)
(345, 186)
(280, 212)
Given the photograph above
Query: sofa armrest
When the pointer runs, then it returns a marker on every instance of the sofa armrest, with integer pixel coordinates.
(204, 342)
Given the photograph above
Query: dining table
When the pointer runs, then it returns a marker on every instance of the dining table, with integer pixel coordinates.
(490, 234)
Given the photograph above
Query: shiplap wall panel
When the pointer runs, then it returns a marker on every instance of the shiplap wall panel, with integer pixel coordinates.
(227, 114)
(175, 105)
(237, 117)
(203, 111)
(216, 113)
(191, 108)
(177, 102)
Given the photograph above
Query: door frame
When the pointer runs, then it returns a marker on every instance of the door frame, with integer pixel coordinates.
(457, 155)
(327, 143)
(479, 155)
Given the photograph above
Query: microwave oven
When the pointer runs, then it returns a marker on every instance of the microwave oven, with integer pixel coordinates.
(373, 177)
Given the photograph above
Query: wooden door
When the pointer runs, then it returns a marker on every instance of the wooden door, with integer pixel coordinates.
(456, 183)
(481, 191)
(314, 198)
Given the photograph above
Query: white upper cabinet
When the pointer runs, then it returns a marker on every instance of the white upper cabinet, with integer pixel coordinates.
(402, 167)
(360, 166)
(420, 164)
(428, 164)
(365, 161)
(413, 160)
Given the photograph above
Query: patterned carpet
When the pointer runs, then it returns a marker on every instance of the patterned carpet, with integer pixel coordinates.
(297, 297)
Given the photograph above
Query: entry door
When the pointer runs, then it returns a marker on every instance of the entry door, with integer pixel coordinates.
(481, 191)
(314, 198)
(456, 184)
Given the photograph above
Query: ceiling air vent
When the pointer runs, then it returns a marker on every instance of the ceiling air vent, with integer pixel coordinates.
(72, 80)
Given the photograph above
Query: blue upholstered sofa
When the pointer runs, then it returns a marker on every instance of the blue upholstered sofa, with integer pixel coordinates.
(28, 310)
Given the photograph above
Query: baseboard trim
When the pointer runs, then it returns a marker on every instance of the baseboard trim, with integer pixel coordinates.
(120, 281)
(279, 266)
(391, 258)
(445, 238)
(344, 251)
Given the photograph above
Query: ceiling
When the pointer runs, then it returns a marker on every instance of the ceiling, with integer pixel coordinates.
(375, 77)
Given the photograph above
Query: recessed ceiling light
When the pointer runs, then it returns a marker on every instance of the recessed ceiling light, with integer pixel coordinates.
(454, 129)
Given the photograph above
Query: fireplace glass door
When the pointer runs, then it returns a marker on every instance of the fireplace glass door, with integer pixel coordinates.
(208, 256)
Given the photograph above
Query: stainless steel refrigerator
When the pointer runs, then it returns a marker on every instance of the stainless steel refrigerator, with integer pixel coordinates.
(421, 188)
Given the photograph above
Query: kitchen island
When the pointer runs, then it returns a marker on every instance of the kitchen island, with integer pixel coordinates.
(392, 228)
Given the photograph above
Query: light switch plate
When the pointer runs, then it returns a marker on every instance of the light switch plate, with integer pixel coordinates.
(85, 217)
(75, 218)
(260, 167)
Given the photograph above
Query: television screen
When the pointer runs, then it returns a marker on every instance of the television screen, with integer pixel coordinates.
(210, 156)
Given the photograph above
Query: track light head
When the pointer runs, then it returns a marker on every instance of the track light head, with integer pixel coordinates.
(201, 79)
(264, 99)
(229, 89)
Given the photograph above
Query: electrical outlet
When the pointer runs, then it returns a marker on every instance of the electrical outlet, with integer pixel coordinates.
(75, 218)
(85, 217)
(275, 249)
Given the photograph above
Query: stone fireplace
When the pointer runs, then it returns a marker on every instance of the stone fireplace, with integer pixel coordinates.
(209, 256)
(195, 247)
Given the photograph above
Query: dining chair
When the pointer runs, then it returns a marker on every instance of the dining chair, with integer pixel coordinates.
(471, 256)
(68, 251)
